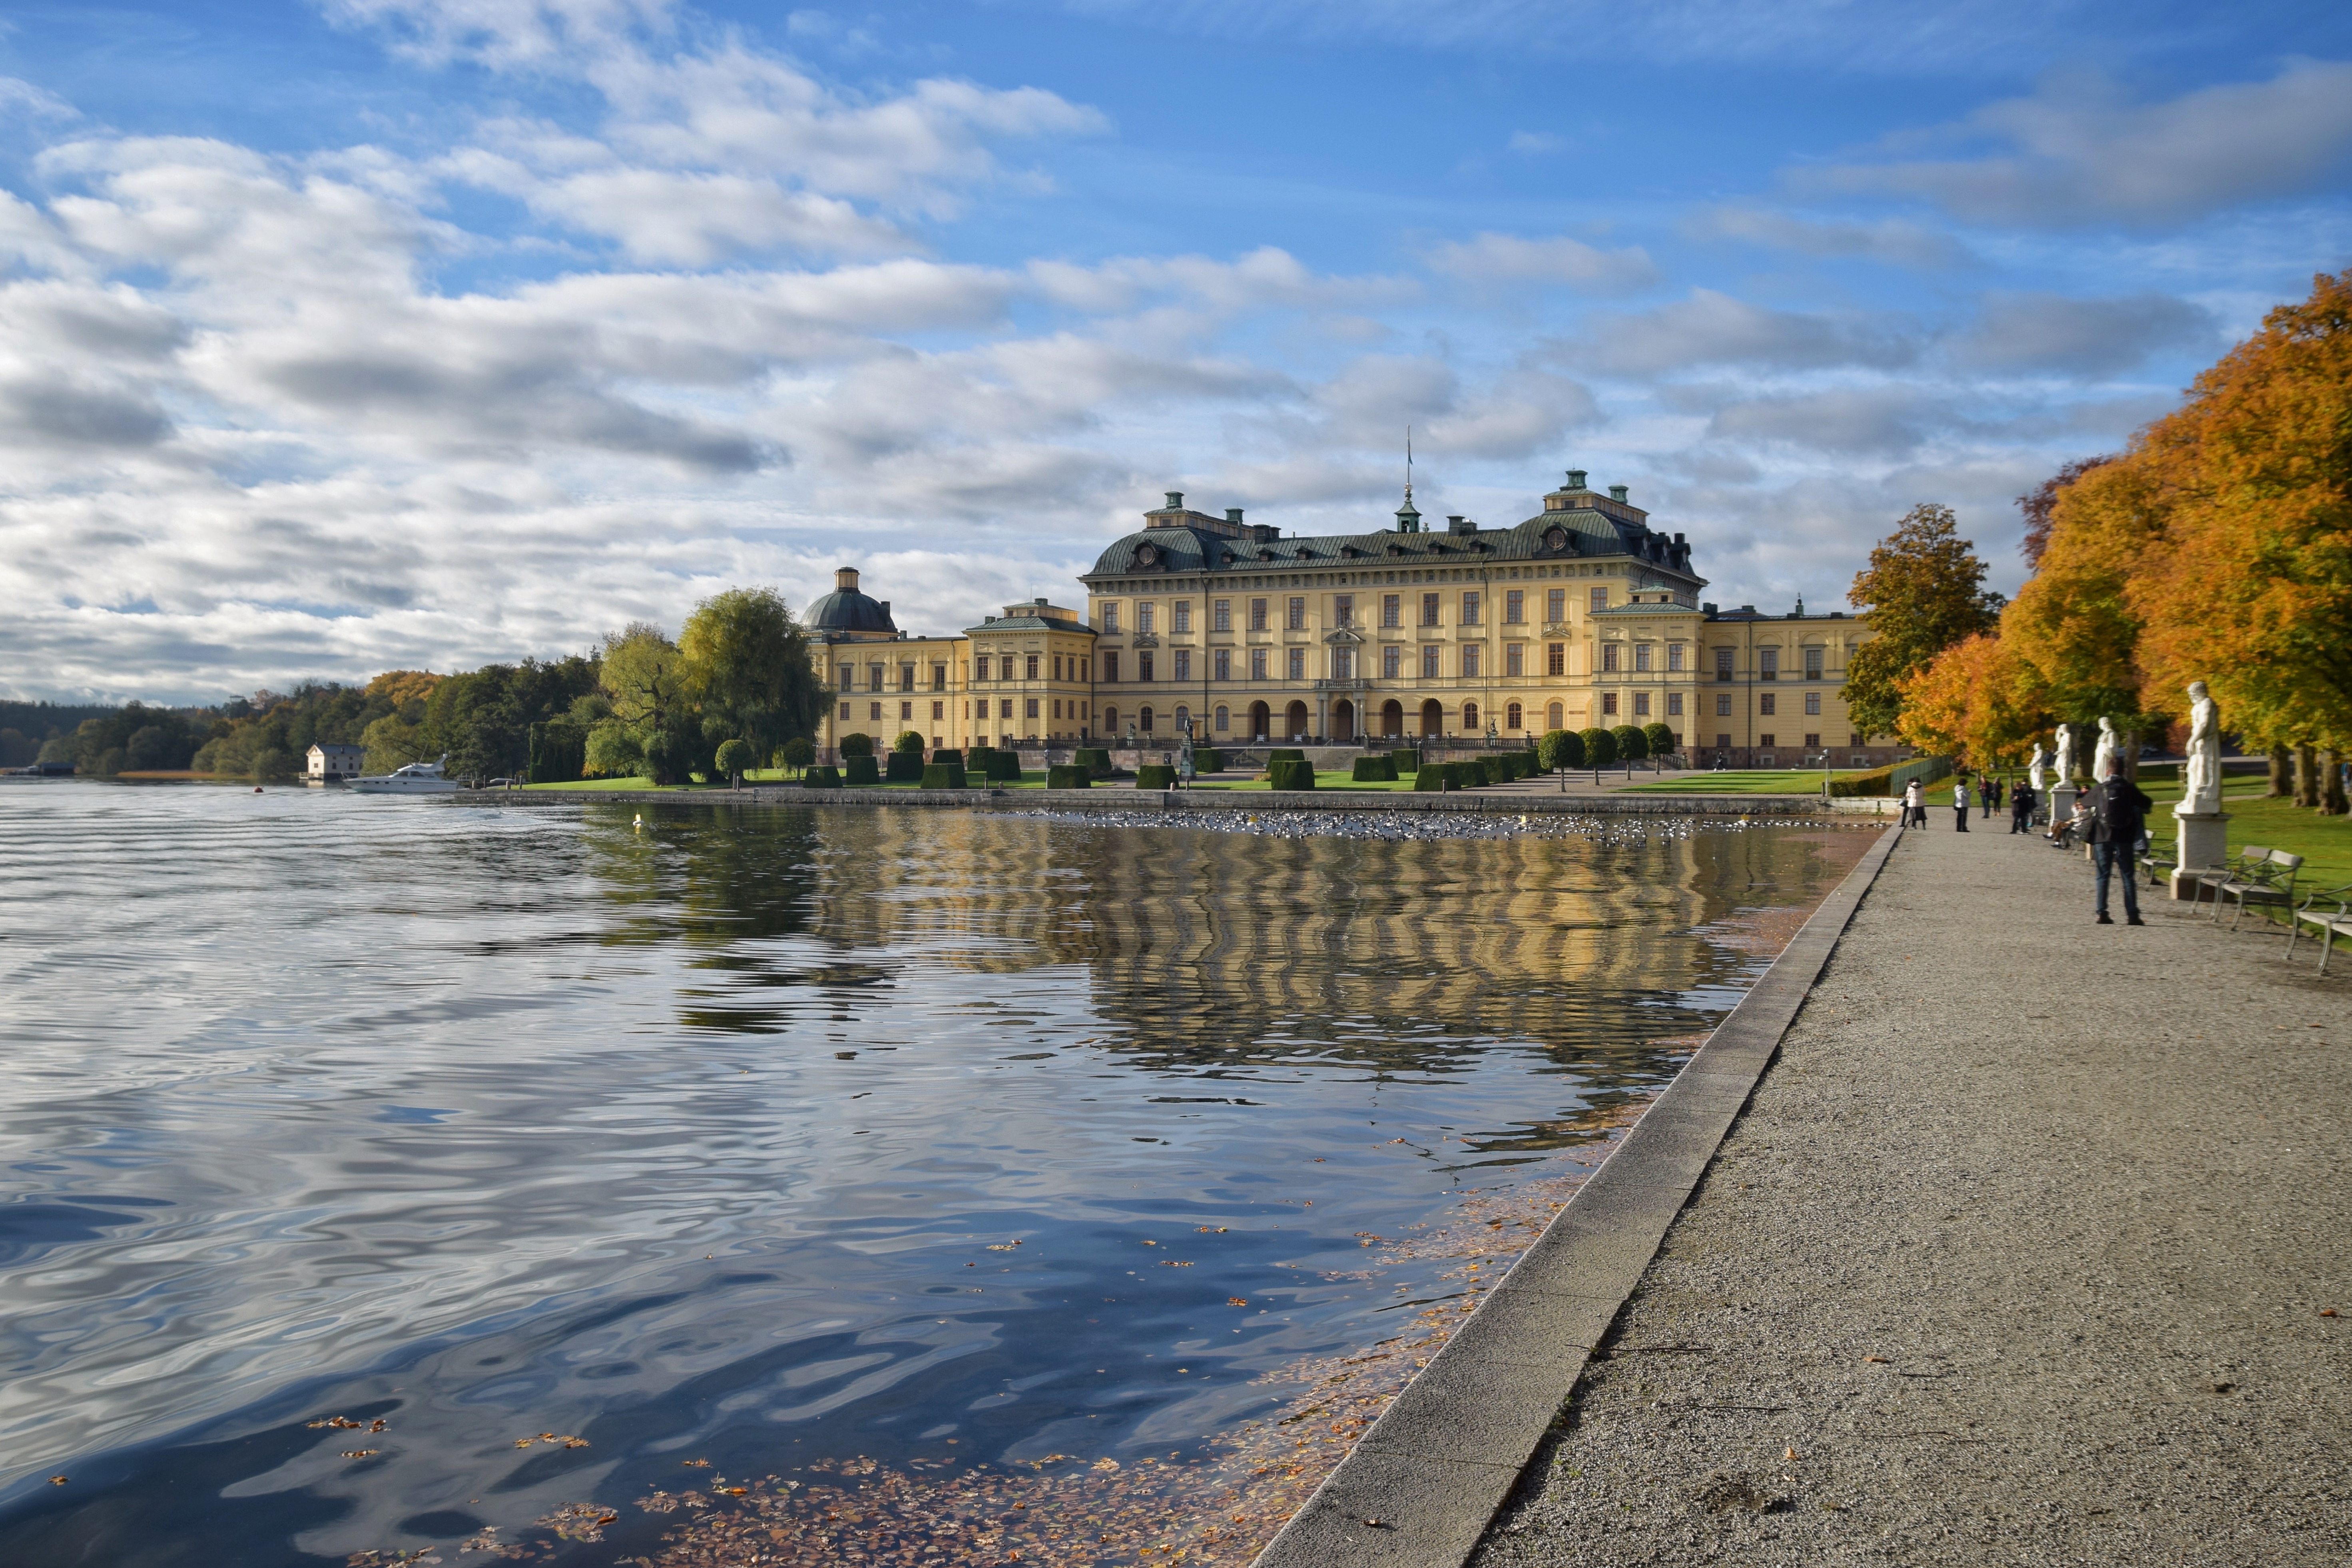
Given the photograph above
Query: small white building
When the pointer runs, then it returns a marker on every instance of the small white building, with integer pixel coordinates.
(331, 763)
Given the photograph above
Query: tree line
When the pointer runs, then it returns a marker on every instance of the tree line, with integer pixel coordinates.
(2216, 546)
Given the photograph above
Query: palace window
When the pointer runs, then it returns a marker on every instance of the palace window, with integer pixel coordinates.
(1469, 717)
(1555, 716)
(1257, 664)
(1298, 664)
(845, 710)
(1183, 616)
(1673, 657)
(939, 677)
(906, 678)
(1143, 721)
(1391, 609)
(1470, 660)
(980, 667)
(1609, 658)
(1641, 705)
(1257, 614)
(1221, 614)
(1392, 661)
(1515, 611)
(1723, 706)
(1674, 704)
(1223, 719)
(1814, 657)
(1600, 598)
(1859, 741)
(1057, 708)
(1512, 715)
(873, 678)
(1005, 708)
(1029, 706)
(1609, 705)
(1183, 664)
(1343, 609)
(1469, 609)
(1429, 609)
(1221, 664)
(1143, 667)
(1032, 667)
(848, 681)
(1184, 715)
(905, 711)
(1343, 664)
(1110, 665)
(1723, 664)
(1110, 720)
(1297, 615)
(1058, 666)
(1723, 742)
(1147, 618)
(1556, 605)
(1764, 740)
(1813, 703)
(1812, 742)
(1767, 660)
(1768, 705)
(1640, 656)
(939, 712)
(1429, 662)
(1110, 619)
(1515, 658)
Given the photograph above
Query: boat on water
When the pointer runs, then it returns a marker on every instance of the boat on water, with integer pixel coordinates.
(416, 778)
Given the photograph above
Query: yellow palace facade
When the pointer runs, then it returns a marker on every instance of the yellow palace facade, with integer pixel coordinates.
(1582, 616)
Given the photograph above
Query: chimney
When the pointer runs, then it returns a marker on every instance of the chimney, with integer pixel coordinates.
(1617, 494)
(1576, 478)
(1458, 524)
(1233, 515)
(885, 607)
(1175, 501)
(845, 581)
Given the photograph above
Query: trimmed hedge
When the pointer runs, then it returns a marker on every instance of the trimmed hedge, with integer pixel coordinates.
(1664, 741)
(1206, 761)
(1003, 767)
(903, 767)
(858, 771)
(1290, 773)
(1096, 760)
(1561, 749)
(821, 778)
(943, 776)
(1407, 761)
(1286, 754)
(1375, 770)
(1155, 775)
(1432, 778)
(948, 757)
(1068, 776)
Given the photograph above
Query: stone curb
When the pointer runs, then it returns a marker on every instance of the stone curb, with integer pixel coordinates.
(980, 798)
(1439, 1461)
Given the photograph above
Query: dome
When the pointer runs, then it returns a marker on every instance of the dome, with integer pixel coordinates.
(847, 610)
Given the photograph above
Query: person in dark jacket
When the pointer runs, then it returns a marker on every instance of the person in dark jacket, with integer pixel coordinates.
(2118, 821)
(1991, 797)
(2021, 808)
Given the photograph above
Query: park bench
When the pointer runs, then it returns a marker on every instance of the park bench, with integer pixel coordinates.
(2163, 855)
(2330, 923)
(2269, 881)
(2252, 858)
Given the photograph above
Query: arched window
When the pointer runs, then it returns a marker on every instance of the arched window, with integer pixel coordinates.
(1183, 713)
(1224, 721)
(1555, 716)
(1143, 721)
(1469, 717)
(1511, 717)
(1110, 720)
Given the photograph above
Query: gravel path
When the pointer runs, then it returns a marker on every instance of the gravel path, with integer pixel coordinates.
(2024, 1252)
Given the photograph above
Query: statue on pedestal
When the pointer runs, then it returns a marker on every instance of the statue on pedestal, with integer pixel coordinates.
(2104, 761)
(2034, 769)
(2200, 775)
(2065, 756)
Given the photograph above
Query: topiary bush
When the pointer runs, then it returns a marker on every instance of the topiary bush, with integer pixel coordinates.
(821, 778)
(1290, 773)
(1631, 745)
(903, 767)
(1406, 759)
(1286, 754)
(1003, 767)
(857, 744)
(1155, 775)
(1561, 749)
(1068, 776)
(795, 754)
(1430, 779)
(1662, 741)
(1375, 770)
(733, 760)
(858, 771)
(1096, 760)
(1600, 748)
(908, 741)
(1208, 761)
(943, 776)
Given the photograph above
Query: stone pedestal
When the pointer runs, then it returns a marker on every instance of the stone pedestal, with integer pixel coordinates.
(2204, 847)
(2062, 803)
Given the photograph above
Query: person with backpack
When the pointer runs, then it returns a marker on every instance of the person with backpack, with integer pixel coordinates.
(2118, 821)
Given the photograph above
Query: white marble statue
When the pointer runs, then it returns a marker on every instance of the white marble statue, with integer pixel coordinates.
(2106, 760)
(2034, 769)
(2201, 773)
(2065, 756)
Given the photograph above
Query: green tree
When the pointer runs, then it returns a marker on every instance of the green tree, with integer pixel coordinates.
(1633, 743)
(748, 671)
(734, 758)
(653, 731)
(1924, 591)
(1662, 740)
(1561, 749)
(796, 754)
(857, 743)
(1600, 747)
(908, 741)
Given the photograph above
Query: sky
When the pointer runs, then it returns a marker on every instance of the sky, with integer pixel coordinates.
(364, 334)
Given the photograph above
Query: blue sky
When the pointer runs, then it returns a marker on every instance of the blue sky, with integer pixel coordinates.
(381, 333)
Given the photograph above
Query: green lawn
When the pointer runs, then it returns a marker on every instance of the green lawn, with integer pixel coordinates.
(1732, 781)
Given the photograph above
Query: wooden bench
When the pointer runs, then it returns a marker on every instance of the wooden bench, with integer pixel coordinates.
(2269, 881)
(2330, 923)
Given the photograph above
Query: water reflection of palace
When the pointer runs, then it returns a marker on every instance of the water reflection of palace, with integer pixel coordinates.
(1204, 943)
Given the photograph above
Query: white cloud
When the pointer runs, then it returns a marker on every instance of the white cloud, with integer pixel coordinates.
(1711, 328)
(2076, 152)
(2053, 332)
(1504, 258)
(1894, 240)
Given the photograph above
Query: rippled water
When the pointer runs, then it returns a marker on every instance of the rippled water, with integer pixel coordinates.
(715, 1140)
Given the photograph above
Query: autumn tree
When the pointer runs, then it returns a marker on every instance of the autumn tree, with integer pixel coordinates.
(1972, 701)
(1924, 591)
(2038, 503)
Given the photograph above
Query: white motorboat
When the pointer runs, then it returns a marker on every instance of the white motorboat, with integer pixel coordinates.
(416, 778)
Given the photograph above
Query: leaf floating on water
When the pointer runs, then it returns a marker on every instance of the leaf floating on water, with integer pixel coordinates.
(340, 1423)
(1235, 1301)
(696, 1464)
(56, 1480)
(361, 1453)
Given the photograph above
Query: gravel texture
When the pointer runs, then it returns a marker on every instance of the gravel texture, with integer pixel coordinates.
(2025, 1251)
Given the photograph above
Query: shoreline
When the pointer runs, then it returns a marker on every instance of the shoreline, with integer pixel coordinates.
(1180, 801)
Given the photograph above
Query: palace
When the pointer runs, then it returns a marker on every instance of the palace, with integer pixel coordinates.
(1581, 616)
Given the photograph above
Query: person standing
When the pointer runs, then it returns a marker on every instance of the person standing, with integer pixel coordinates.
(1991, 797)
(2118, 821)
(2021, 808)
(1960, 804)
(1915, 805)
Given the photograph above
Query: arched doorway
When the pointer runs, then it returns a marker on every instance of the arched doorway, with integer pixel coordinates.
(1296, 720)
(1343, 721)
(1432, 718)
(1260, 716)
(1392, 719)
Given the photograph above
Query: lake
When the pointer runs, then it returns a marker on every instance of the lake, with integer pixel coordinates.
(382, 1178)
